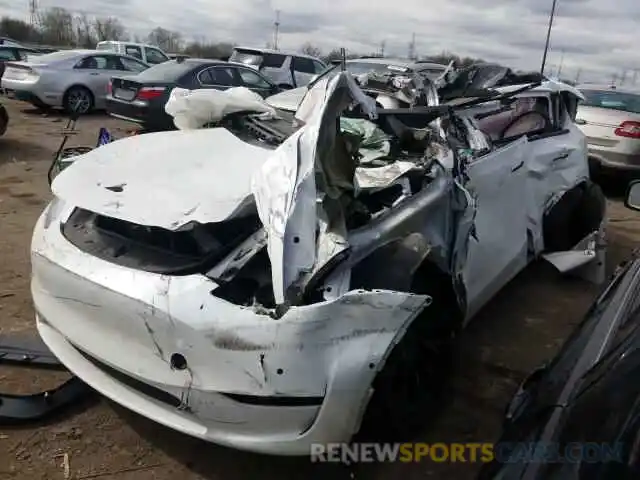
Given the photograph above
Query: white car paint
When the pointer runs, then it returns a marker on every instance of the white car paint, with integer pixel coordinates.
(99, 317)
(288, 100)
(156, 176)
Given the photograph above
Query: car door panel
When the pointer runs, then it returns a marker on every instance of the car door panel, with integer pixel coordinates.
(498, 249)
(557, 166)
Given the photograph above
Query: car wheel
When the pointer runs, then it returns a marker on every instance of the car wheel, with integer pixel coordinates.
(410, 387)
(78, 100)
(4, 120)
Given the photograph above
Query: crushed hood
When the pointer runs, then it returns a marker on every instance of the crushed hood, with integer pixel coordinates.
(165, 179)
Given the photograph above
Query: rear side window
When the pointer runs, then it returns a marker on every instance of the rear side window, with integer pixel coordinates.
(133, 66)
(99, 62)
(155, 56)
(7, 54)
(303, 65)
(252, 79)
(133, 51)
(627, 102)
(273, 60)
(319, 68)
(218, 76)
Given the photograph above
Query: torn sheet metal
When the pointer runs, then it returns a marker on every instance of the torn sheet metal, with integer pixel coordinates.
(498, 250)
(19, 409)
(370, 178)
(374, 143)
(131, 178)
(193, 109)
(285, 188)
(586, 260)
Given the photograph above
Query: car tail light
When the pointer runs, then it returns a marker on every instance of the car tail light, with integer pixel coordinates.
(628, 129)
(149, 93)
(109, 87)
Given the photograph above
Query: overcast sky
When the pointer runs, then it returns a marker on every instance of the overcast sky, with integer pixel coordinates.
(598, 36)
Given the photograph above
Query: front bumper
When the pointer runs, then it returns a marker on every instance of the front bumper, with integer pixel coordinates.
(251, 381)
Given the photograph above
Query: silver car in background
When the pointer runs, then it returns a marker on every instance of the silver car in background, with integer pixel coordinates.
(75, 80)
(610, 119)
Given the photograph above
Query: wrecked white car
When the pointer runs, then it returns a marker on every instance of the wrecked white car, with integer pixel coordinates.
(268, 286)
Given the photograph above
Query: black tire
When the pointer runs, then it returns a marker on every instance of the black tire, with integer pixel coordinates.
(40, 105)
(578, 213)
(4, 120)
(79, 100)
(410, 387)
(595, 169)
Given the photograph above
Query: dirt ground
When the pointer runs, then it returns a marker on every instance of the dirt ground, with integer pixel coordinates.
(518, 330)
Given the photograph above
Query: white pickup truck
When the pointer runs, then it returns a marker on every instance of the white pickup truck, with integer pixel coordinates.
(147, 53)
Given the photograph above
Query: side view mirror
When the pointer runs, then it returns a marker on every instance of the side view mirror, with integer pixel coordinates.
(632, 199)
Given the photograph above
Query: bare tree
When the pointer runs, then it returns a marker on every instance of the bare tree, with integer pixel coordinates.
(18, 30)
(57, 27)
(84, 31)
(109, 28)
(309, 49)
(167, 40)
(335, 55)
(221, 51)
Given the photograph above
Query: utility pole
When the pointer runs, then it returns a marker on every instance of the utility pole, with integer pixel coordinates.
(578, 75)
(623, 77)
(635, 76)
(546, 46)
(276, 28)
(614, 78)
(382, 45)
(412, 46)
(33, 13)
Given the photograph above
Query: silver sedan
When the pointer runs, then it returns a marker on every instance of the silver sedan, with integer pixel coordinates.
(75, 80)
(610, 119)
